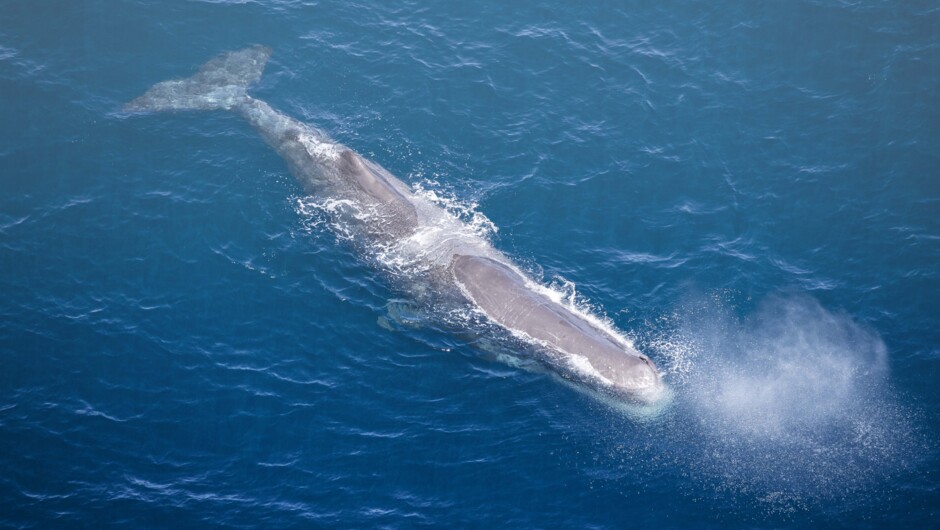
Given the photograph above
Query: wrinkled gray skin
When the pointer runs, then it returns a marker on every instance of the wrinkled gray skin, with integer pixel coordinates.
(381, 209)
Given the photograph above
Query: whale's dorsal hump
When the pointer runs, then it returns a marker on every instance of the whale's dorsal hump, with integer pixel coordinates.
(371, 179)
(368, 177)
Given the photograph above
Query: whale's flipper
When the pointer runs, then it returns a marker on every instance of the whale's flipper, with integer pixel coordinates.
(402, 313)
(220, 84)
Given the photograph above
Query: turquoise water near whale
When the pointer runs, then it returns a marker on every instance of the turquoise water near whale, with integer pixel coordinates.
(750, 192)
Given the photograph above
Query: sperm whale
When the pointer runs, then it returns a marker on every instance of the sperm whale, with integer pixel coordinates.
(385, 212)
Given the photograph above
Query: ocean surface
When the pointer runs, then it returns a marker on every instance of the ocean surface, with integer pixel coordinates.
(750, 192)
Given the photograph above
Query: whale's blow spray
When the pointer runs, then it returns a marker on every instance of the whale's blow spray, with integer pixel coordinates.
(792, 405)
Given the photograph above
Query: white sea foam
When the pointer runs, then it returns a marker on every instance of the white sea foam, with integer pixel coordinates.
(319, 148)
(467, 212)
(316, 213)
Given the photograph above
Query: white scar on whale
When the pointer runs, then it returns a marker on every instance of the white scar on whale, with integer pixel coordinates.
(416, 233)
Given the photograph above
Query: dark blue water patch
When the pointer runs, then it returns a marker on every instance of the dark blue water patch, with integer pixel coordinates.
(749, 192)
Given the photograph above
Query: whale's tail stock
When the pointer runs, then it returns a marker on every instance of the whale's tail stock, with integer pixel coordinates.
(221, 83)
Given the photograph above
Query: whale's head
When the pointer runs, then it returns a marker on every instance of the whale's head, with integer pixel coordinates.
(634, 381)
(583, 350)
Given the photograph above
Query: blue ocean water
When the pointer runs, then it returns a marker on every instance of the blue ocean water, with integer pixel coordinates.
(749, 191)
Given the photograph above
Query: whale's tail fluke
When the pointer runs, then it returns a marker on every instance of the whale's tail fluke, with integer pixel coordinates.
(221, 83)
